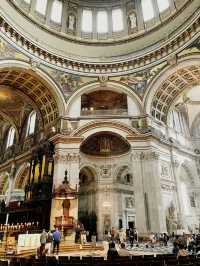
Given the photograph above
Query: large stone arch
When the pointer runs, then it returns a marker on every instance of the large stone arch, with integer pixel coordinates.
(21, 175)
(168, 84)
(88, 168)
(35, 84)
(108, 85)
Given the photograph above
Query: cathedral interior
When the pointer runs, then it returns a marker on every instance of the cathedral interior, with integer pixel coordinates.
(100, 114)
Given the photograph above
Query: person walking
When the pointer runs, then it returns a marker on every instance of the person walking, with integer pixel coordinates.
(56, 240)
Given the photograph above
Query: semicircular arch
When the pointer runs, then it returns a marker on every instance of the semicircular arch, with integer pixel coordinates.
(36, 84)
(110, 85)
(169, 84)
(21, 176)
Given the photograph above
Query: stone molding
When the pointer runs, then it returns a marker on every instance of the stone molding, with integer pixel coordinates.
(124, 66)
(100, 124)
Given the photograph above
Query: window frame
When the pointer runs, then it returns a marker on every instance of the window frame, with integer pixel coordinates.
(53, 16)
(82, 19)
(147, 18)
(41, 7)
(10, 136)
(28, 133)
(114, 18)
(99, 22)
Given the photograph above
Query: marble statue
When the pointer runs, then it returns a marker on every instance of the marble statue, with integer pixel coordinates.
(71, 22)
(132, 20)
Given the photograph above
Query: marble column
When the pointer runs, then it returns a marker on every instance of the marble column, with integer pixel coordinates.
(66, 158)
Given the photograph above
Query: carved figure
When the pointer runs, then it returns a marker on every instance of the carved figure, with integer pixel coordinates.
(130, 203)
(71, 22)
(132, 20)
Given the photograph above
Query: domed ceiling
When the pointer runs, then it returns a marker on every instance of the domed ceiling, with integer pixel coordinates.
(100, 37)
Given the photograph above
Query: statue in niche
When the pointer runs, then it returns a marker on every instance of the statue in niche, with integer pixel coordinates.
(171, 220)
(130, 203)
(71, 22)
(132, 20)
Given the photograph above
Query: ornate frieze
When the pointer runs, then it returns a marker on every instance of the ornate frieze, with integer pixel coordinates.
(130, 65)
(63, 157)
(144, 155)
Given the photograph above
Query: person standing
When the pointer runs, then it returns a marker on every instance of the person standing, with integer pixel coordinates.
(56, 240)
(43, 237)
(49, 242)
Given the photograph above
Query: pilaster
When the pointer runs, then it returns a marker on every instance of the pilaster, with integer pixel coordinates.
(66, 158)
(147, 191)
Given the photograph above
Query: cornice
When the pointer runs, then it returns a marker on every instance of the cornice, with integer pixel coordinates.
(59, 138)
(165, 50)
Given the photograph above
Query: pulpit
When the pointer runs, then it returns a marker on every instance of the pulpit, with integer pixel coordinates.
(65, 194)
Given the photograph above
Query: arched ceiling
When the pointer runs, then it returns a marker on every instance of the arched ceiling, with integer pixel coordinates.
(20, 88)
(99, 57)
(171, 88)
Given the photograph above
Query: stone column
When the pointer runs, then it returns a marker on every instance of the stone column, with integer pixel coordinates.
(138, 175)
(153, 191)
(147, 191)
(10, 183)
(176, 173)
(66, 158)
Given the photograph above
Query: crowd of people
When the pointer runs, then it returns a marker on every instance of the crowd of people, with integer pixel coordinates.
(181, 245)
(121, 242)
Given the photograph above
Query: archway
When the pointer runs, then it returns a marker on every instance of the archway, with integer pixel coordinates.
(87, 199)
(169, 84)
(106, 182)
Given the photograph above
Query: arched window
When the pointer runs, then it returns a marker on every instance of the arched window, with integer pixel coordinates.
(31, 123)
(41, 6)
(102, 22)
(86, 24)
(56, 11)
(147, 9)
(11, 137)
(117, 20)
(163, 5)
